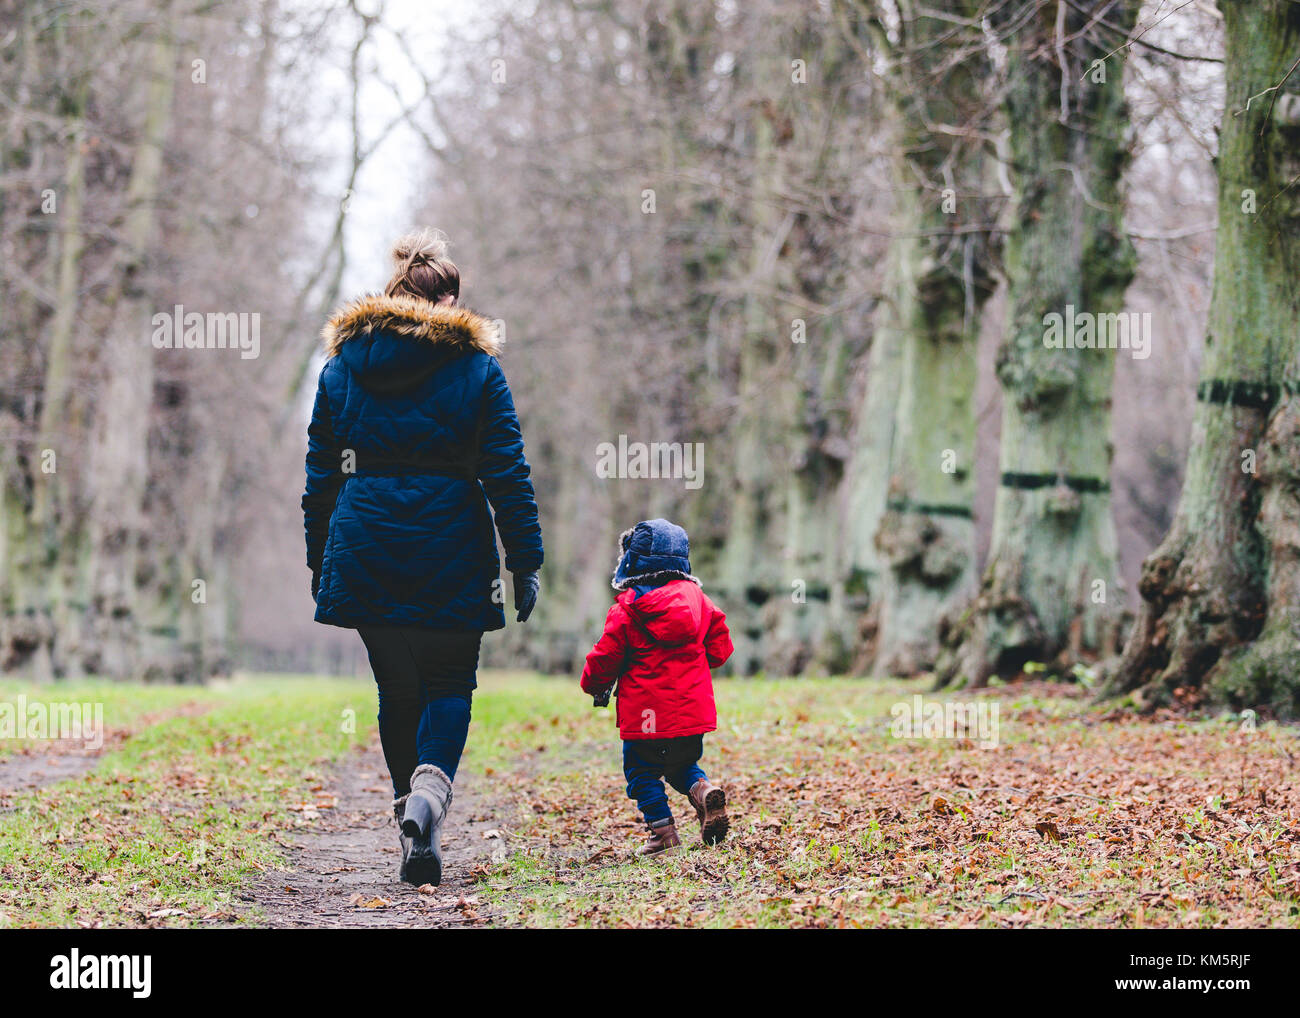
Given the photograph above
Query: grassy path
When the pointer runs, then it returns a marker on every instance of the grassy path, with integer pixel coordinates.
(207, 804)
(181, 810)
(27, 763)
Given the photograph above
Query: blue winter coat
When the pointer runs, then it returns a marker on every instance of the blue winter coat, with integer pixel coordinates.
(413, 433)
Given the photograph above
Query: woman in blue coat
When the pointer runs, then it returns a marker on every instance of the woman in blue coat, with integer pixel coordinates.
(412, 436)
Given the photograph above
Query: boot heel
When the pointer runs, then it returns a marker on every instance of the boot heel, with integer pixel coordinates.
(424, 866)
(415, 823)
(714, 823)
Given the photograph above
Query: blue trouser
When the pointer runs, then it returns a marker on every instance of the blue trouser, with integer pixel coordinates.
(426, 680)
(647, 761)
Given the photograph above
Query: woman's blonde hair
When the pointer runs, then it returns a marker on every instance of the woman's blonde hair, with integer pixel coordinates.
(422, 269)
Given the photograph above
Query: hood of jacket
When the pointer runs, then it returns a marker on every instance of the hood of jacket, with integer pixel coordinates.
(672, 614)
(395, 343)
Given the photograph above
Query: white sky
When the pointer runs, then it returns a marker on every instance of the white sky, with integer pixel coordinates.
(389, 186)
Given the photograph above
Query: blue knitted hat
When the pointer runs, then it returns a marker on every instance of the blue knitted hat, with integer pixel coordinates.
(654, 551)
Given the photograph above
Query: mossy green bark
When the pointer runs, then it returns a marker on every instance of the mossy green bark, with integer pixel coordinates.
(1220, 593)
(750, 564)
(1050, 590)
(941, 275)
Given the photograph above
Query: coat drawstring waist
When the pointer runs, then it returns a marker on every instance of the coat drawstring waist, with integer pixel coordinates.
(403, 466)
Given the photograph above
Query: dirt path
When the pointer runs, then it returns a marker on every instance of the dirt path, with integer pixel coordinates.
(34, 766)
(349, 856)
(42, 763)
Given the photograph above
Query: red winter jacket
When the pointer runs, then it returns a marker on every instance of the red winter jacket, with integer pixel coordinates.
(659, 648)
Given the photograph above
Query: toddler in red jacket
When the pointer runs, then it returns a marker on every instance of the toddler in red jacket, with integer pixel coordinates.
(661, 637)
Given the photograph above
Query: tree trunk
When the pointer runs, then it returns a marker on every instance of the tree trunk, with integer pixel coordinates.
(926, 537)
(752, 569)
(868, 488)
(804, 636)
(122, 429)
(1220, 593)
(54, 542)
(1050, 591)
(941, 276)
(43, 553)
(813, 632)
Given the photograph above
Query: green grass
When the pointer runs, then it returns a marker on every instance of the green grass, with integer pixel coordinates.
(125, 708)
(838, 823)
(1169, 821)
(170, 824)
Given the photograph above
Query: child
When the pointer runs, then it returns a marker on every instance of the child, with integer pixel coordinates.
(661, 637)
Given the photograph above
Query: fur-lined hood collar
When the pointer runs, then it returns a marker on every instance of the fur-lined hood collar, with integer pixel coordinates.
(452, 326)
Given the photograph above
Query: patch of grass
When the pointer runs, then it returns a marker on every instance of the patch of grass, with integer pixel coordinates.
(172, 822)
(1079, 816)
(1172, 821)
(122, 707)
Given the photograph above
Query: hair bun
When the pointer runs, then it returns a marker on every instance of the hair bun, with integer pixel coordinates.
(421, 247)
(422, 269)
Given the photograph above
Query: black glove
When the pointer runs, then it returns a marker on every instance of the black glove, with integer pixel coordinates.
(526, 587)
(601, 699)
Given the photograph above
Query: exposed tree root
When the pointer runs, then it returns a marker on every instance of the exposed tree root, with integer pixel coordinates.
(996, 635)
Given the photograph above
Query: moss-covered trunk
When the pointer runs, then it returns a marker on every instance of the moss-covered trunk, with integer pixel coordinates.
(804, 637)
(926, 536)
(940, 277)
(41, 544)
(1221, 591)
(751, 565)
(868, 488)
(1050, 590)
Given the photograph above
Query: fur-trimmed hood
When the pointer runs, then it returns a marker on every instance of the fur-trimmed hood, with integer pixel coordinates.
(452, 327)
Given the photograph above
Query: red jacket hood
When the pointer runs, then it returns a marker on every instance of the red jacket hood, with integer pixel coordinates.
(673, 614)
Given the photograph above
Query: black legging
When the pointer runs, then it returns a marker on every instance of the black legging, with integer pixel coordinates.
(426, 680)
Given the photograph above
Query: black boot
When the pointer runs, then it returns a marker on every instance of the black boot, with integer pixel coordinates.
(399, 814)
(426, 808)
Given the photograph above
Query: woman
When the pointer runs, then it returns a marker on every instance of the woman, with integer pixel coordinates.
(413, 426)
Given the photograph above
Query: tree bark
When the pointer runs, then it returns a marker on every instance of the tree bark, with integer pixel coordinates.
(941, 276)
(122, 429)
(1050, 591)
(868, 491)
(44, 546)
(752, 569)
(1219, 612)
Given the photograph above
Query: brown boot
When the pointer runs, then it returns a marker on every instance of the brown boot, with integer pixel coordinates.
(663, 837)
(710, 804)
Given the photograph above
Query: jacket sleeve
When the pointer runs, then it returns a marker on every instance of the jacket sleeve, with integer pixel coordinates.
(607, 660)
(504, 472)
(324, 480)
(717, 640)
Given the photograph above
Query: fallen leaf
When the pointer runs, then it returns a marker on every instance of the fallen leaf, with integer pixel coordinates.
(361, 901)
